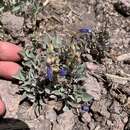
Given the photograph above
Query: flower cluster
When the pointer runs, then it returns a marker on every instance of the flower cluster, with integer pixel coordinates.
(65, 71)
(62, 72)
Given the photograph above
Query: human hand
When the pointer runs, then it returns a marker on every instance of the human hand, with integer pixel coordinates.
(9, 54)
(2, 108)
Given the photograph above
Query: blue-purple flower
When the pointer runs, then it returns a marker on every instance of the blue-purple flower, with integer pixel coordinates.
(49, 73)
(63, 71)
(85, 108)
(85, 30)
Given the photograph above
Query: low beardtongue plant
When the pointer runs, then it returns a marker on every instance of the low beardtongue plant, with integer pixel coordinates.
(63, 73)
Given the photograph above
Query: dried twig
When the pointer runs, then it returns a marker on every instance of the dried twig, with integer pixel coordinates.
(123, 57)
(118, 79)
(46, 2)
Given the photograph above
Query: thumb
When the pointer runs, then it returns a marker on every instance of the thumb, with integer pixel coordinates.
(2, 108)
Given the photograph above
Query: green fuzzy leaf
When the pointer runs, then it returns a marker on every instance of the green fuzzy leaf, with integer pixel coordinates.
(57, 42)
(80, 68)
(26, 88)
(72, 97)
(28, 54)
(57, 92)
(16, 8)
(31, 97)
(86, 97)
(47, 91)
(22, 53)
(80, 95)
(27, 63)
(66, 108)
(78, 99)
(26, 83)
(20, 76)
(1, 9)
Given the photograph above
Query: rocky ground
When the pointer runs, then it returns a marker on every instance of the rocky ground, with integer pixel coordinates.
(111, 107)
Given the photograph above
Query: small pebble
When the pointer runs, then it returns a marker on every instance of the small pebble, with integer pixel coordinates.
(86, 117)
(123, 7)
(91, 66)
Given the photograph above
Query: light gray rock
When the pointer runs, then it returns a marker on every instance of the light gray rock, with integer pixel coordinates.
(9, 96)
(101, 107)
(93, 87)
(65, 121)
(13, 24)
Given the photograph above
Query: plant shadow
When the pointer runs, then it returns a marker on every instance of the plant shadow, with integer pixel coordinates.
(13, 124)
